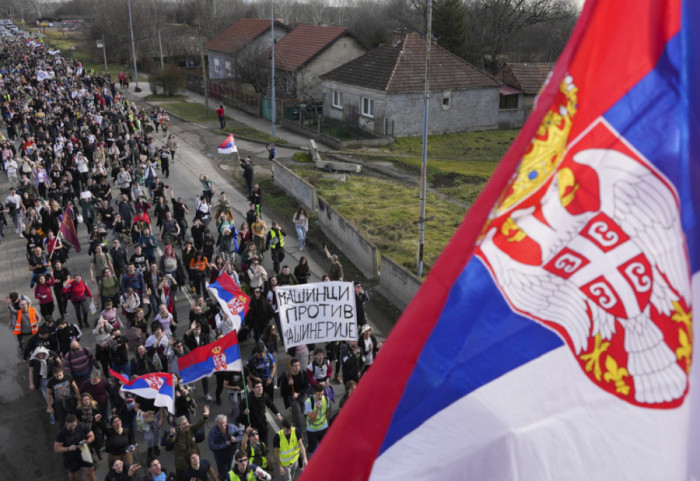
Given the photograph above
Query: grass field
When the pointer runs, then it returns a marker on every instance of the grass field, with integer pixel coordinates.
(458, 164)
(387, 212)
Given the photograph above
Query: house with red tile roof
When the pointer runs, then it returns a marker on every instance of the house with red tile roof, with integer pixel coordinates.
(243, 41)
(521, 84)
(382, 92)
(307, 52)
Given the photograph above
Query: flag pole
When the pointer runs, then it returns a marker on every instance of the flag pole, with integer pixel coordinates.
(245, 386)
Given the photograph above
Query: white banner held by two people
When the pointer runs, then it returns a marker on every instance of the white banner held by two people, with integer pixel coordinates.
(317, 312)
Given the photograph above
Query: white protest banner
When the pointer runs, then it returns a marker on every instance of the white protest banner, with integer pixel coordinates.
(317, 312)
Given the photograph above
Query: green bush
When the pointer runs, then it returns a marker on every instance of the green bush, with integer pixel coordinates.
(168, 80)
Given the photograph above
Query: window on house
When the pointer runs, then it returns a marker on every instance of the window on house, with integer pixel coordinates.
(337, 99)
(508, 102)
(229, 69)
(217, 65)
(367, 107)
(446, 95)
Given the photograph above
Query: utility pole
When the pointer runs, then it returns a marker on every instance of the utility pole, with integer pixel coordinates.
(133, 49)
(104, 51)
(160, 46)
(204, 72)
(424, 151)
(273, 114)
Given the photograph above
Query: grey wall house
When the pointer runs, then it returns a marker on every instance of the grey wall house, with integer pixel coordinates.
(382, 91)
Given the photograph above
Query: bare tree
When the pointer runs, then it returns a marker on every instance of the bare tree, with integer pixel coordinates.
(251, 68)
(492, 24)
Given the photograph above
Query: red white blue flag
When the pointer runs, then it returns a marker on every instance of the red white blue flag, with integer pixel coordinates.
(159, 386)
(220, 355)
(228, 146)
(234, 303)
(553, 337)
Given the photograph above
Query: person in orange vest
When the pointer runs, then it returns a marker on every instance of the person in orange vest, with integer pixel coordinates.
(27, 323)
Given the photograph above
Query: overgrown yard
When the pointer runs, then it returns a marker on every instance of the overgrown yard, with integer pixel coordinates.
(458, 164)
(387, 212)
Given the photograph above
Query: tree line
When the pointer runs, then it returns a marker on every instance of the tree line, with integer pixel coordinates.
(484, 32)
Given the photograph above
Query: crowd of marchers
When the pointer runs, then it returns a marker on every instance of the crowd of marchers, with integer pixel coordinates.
(79, 156)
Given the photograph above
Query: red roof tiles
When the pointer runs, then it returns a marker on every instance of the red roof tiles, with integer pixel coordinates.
(303, 44)
(237, 35)
(528, 77)
(401, 68)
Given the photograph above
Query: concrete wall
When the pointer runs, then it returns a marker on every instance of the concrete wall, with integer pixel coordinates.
(511, 118)
(466, 110)
(353, 245)
(396, 283)
(297, 187)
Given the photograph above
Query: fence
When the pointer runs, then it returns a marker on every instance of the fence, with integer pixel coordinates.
(226, 94)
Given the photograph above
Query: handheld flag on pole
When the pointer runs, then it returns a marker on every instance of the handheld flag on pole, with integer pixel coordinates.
(228, 146)
(220, 355)
(233, 302)
(553, 337)
(159, 386)
(68, 228)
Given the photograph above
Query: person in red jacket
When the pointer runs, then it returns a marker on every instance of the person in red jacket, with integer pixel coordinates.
(80, 296)
(42, 292)
(220, 114)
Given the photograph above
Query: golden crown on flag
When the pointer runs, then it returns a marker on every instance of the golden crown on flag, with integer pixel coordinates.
(216, 349)
(546, 150)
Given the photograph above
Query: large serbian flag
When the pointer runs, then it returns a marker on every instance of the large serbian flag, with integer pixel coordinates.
(228, 146)
(552, 339)
(233, 302)
(67, 228)
(220, 355)
(159, 386)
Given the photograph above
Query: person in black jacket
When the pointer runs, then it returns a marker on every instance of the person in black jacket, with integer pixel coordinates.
(194, 338)
(295, 387)
(253, 410)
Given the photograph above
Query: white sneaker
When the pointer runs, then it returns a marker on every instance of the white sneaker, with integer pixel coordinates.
(208, 398)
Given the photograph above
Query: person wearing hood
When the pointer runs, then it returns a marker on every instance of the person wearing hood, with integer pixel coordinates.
(41, 365)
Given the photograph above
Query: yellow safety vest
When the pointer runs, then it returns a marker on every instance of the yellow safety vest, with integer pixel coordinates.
(250, 476)
(317, 425)
(275, 244)
(289, 450)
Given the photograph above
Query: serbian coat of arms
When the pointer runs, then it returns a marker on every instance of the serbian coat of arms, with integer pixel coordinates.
(587, 240)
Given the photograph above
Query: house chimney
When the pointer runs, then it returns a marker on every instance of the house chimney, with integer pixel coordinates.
(397, 37)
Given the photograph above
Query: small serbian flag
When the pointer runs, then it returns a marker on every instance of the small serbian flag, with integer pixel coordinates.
(155, 385)
(233, 302)
(68, 229)
(228, 146)
(220, 355)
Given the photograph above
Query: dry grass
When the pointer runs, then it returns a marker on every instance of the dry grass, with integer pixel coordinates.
(387, 213)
